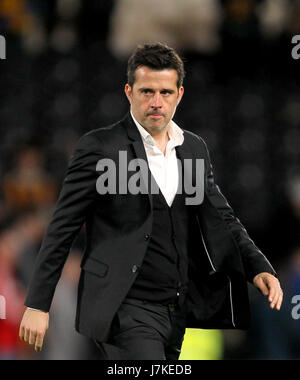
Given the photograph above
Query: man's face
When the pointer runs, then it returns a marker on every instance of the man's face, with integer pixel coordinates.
(154, 97)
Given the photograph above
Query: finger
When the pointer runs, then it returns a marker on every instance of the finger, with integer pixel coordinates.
(26, 335)
(32, 337)
(263, 288)
(272, 292)
(279, 302)
(277, 295)
(21, 332)
(274, 300)
(39, 342)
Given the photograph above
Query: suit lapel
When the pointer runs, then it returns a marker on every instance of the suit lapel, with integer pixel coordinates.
(186, 172)
(139, 152)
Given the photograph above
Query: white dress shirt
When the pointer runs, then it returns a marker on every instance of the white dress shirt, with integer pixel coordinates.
(164, 168)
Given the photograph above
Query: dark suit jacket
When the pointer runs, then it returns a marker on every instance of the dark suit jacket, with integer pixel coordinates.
(222, 256)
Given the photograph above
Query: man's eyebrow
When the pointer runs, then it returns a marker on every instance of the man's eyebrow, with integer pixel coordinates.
(146, 89)
(171, 91)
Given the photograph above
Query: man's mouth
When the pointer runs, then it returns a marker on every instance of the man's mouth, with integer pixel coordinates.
(155, 115)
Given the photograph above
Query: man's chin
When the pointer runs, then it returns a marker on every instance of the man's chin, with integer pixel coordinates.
(157, 125)
(156, 128)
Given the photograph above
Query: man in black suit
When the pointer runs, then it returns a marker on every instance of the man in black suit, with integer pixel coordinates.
(158, 259)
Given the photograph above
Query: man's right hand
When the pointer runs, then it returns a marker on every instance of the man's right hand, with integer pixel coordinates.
(33, 328)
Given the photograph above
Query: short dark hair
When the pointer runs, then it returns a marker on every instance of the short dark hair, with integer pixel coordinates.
(157, 56)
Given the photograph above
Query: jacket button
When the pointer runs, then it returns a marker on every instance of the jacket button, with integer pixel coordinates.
(146, 236)
(134, 268)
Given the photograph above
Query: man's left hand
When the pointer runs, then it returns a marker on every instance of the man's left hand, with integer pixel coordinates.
(269, 286)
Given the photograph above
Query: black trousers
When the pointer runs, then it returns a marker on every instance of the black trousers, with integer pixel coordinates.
(145, 331)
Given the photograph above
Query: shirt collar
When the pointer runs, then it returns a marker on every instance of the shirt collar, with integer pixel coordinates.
(175, 133)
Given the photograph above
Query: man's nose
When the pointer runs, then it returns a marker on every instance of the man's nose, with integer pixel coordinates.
(156, 101)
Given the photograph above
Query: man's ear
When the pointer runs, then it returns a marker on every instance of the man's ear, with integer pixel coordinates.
(180, 94)
(128, 92)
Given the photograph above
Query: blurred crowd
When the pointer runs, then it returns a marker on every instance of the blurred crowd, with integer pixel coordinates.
(64, 75)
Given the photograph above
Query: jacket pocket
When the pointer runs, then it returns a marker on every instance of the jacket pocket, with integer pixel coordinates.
(96, 267)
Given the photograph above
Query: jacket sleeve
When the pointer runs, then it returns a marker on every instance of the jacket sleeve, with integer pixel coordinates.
(74, 203)
(254, 260)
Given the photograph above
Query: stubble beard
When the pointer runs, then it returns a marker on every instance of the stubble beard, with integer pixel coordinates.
(154, 128)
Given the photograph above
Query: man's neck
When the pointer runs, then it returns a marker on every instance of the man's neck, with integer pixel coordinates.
(162, 142)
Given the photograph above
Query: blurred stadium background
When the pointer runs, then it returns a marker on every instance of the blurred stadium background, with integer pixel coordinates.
(64, 75)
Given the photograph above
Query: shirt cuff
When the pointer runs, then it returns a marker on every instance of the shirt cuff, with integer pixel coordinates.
(31, 308)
